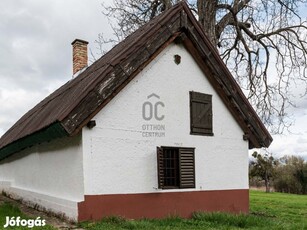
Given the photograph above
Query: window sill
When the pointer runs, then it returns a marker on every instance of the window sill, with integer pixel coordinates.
(169, 188)
(202, 134)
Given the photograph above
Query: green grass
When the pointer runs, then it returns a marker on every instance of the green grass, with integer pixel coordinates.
(267, 211)
(199, 221)
(287, 209)
(7, 209)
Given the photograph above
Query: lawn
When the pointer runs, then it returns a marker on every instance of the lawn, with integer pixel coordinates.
(267, 211)
(287, 209)
(7, 209)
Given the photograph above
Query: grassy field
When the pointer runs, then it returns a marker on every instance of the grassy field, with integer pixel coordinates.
(287, 210)
(267, 211)
(7, 209)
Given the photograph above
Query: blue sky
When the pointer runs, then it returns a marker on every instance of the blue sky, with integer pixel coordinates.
(35, 59)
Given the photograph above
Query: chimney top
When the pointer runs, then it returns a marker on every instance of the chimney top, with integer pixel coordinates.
(79, 40)
(80, 56)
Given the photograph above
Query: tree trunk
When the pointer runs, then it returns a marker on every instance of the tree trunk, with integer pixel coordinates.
(207, 18)
(267, 183)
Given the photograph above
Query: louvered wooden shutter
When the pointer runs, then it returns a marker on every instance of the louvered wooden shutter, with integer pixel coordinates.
(160, 167)
(187, 167)
(201, 113)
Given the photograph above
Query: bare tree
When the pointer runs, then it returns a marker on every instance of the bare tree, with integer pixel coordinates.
(252, 37)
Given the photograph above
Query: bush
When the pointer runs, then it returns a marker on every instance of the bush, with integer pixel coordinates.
(291, 175)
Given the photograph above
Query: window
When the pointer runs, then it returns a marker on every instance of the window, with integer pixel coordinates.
(176, 167)
(201, 114)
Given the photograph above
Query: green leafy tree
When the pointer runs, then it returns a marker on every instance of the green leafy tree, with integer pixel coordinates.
(263, 167)
(301, 176)
(291, 175)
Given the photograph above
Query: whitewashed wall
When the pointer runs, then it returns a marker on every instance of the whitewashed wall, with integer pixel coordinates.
(50, 175)
(118, 159)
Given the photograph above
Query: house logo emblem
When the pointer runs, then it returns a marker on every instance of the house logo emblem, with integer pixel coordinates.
(150, 110)
(153, 111)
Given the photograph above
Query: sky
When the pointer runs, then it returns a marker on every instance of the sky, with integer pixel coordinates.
(35, 49)
(36, 58)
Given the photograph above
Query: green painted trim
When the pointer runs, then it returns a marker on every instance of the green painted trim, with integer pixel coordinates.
(49, 133)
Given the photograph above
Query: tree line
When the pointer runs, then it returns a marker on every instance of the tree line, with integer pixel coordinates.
(286, 174)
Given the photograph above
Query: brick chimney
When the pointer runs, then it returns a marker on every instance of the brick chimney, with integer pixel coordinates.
(79, 55)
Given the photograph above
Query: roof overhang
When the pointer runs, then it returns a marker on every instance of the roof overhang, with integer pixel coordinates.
(51, 132)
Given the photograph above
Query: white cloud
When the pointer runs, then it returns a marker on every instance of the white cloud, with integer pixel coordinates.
(35, 49)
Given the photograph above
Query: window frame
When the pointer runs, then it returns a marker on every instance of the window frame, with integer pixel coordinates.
(182, 167)
(196, 97)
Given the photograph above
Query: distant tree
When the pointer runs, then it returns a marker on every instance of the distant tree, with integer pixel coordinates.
(291, 175)
(301, 176)
(250, 35)
(263, 167)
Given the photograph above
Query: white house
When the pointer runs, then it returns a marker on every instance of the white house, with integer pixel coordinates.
(156, 127)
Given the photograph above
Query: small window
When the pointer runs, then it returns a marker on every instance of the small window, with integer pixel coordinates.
(201, 114)
(176, 167)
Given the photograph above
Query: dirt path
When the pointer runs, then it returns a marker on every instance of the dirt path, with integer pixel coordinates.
(51, 220)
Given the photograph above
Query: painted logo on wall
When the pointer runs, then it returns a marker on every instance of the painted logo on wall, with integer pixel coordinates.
(153, 112)
(150, 110)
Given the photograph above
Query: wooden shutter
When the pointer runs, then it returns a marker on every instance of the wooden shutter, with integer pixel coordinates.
(187, 167)
(201, 113)
(160, 167)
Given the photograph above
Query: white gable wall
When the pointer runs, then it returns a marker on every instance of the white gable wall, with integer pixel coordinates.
(49, 175)
(118, 159)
